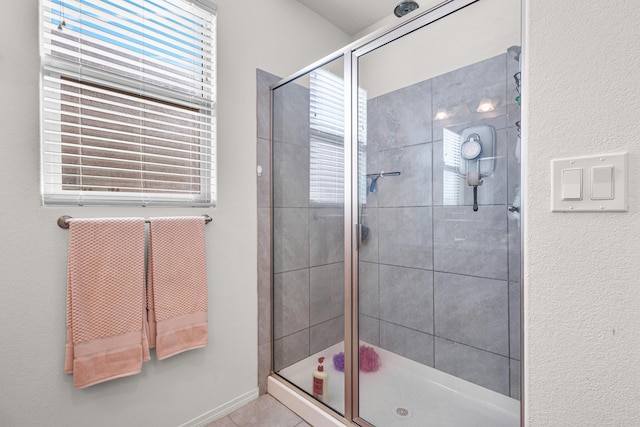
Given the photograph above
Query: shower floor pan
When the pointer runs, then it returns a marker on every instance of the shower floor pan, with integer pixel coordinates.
(405, 393)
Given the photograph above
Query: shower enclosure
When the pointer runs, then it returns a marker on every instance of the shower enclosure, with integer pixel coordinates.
(395, 214)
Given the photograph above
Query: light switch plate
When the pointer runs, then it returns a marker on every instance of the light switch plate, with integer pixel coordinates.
(591, 166)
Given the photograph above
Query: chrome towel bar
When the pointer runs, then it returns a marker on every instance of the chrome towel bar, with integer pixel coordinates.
(63, 221)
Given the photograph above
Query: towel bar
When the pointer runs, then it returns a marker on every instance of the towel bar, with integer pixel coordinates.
(63, 221)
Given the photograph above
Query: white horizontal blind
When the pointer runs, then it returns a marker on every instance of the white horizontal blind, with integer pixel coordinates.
(326, 109)
(452, 182)
(128, 102)
(362, 146)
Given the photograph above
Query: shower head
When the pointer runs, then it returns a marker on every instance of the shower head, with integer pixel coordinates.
(405, 7)
(514, 51)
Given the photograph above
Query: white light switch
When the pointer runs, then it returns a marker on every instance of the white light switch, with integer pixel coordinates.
(572, 184)
(590, 183)
(602, 183)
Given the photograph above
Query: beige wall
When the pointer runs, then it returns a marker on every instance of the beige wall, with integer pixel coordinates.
(276, 35)
(582, 275)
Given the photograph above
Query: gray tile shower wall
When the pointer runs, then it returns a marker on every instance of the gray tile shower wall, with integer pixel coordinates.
(290, 175)
(326, 236)
(326, 334)
(327, 293)
(291, 123)
(471, 243)
(291, 302)
(402, 117)
(405, 236)
(461, 90)
(413, 187)
(308, 239)
(473, 311)
(407, 342)
(448, 278)
(406, 297)
(439, 283)
(290, 239)
(487, 369)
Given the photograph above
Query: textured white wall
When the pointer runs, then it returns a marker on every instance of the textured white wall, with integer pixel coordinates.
(276, 35)
(582, 287)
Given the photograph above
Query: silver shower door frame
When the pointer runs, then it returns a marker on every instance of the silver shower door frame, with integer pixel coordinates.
(350, 55)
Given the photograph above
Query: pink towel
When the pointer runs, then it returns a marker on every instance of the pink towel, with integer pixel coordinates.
(177, 285)
(106, 319)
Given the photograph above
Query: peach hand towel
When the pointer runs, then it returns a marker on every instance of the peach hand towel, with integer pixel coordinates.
(106, 318)
(177, 285)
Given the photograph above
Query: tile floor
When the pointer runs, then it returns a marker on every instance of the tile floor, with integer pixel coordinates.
(265, 411)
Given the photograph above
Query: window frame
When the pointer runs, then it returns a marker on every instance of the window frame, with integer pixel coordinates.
(58, 68)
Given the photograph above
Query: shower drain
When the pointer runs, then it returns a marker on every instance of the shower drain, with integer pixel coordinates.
(402, 412)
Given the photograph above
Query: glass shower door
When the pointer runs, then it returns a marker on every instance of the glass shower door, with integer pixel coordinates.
(438, 195)
(308, 232)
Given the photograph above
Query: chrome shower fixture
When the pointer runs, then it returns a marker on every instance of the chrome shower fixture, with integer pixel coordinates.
(405, 7)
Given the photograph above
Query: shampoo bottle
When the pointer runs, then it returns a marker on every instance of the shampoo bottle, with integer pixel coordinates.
(320, 382)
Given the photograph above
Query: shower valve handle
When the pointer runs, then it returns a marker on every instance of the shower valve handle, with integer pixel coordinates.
(475, 198)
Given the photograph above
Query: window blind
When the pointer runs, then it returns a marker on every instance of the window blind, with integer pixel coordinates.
(128, 106)
(452, 183)
(326, 173)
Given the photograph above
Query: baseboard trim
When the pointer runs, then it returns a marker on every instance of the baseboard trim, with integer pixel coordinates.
(222, 410)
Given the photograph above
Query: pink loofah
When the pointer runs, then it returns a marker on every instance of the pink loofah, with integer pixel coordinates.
(369, 360)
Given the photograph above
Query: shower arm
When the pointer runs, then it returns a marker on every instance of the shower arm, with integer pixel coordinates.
(381, 174)
(375, 176)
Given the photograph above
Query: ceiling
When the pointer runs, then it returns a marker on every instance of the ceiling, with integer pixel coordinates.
(353, 16)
